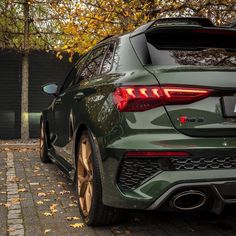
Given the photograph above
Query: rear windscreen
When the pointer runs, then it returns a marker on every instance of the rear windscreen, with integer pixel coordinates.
(193, 47)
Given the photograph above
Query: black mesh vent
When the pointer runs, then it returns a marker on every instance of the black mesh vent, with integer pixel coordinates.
(204, 163)
(134, 172)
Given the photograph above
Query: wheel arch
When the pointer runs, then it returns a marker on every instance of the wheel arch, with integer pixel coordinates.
(43, 119)
(77, 135)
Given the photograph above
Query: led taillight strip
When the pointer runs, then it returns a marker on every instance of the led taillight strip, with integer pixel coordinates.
(168, 91)
(141, 98)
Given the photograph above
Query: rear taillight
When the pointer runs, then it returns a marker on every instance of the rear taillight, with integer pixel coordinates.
(142, 98)
(156, 154)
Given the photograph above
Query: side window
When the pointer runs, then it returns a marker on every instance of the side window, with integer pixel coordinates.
(69, 80)
(92, 65)
(72, 76)
(107, 63)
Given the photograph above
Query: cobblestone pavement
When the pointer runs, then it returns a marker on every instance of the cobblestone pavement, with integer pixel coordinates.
(37, 199)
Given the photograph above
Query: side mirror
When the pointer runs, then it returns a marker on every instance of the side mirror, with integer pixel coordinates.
(50, 89)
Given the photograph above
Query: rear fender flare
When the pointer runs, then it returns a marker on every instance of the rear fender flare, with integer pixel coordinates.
(77, 135)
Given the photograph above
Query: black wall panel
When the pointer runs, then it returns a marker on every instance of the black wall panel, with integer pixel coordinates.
(10, 103)
(44, 68)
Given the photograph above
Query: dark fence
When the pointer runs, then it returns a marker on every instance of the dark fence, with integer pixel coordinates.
(44, 68)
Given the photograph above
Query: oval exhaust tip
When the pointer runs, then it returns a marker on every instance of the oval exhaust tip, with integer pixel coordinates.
(188, 200)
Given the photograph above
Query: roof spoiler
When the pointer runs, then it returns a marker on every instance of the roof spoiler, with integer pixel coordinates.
(205, 22)
(233, 24)
(200, 21)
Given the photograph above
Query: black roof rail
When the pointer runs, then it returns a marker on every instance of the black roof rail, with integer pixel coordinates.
(233, 24)
(144, 27)
(107, 37)
(201, 21)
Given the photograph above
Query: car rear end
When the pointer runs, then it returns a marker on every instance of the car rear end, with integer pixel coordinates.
(178, 143)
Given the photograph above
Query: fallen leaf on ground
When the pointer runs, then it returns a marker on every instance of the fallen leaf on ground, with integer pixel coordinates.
(21, 190)
(46, 200)
(40, 202)
(47, 231)
(72, 205)
(53, 208)
(64, 192)
(47, 213)
(23, 150)
(14, 179)
(11, 229)
(77, 225)
(5, 204)
(14, 201)
(42, 194)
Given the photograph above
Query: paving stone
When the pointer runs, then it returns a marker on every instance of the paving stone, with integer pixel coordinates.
(17, 232)
(28, 217)
(15, 221)
(14, 216)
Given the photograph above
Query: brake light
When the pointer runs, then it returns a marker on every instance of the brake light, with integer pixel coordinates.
(156, 154)
(142, 98)
(216, 31)
(184, 95)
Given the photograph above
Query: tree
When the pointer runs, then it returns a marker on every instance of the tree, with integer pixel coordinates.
(25, 75)
(86, 22)
(77, 25)
(26, 25)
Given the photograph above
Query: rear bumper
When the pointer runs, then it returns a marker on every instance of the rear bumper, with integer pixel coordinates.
(155, 191)
(221, 192)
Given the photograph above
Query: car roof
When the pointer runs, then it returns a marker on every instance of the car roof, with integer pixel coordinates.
(169, 22)
(200, 21)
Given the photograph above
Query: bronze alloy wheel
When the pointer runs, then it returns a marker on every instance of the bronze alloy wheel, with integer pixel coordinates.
(41, 143)
(85, 175)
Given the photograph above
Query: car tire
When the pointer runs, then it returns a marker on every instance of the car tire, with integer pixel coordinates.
(43, 144)
(92, 210)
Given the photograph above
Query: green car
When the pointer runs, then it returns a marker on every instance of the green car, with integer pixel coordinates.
(147, 120)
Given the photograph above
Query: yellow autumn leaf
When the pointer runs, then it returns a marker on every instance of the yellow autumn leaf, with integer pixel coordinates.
(5, 204)
(53, 207)
(47, 213)
(47, 231)
(22, 190)
(42, 194)
(46, 200)
(77, 225)
(39, 202)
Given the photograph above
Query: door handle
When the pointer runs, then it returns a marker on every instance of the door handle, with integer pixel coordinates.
(78, 96)
(58, 101)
